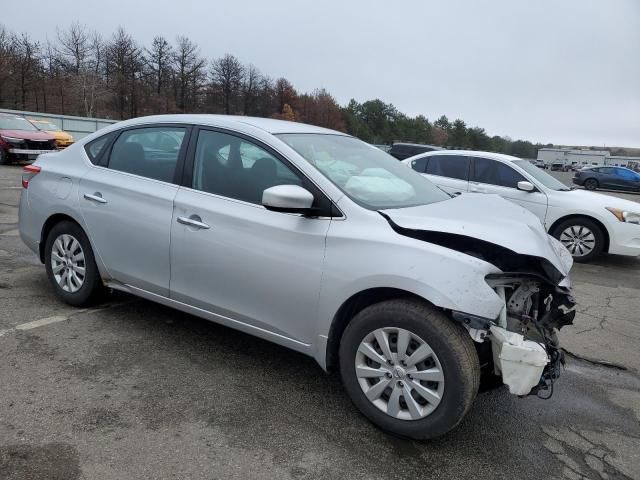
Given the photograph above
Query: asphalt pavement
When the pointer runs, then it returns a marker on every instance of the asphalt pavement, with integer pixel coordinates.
(134, 390)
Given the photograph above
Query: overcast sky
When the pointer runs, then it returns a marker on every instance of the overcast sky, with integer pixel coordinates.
(560, 71)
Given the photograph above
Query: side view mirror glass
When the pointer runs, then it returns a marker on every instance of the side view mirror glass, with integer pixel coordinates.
(287, 199)
(526, 186)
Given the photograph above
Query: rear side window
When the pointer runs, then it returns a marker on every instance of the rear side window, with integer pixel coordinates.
(495, 173)
(452, 166)
(149, 152)
(96, 147)
(420, 164)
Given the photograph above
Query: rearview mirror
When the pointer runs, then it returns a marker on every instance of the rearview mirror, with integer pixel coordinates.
(287, 199)
(526, 186)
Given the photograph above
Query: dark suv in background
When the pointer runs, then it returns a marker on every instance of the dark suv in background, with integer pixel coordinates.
(618, 178)
(406, 150)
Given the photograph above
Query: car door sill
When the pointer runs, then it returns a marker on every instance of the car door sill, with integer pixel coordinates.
(216, 318)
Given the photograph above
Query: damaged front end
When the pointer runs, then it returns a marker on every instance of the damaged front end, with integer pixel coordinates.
(524, 340)
(520, 345)
(524, 348)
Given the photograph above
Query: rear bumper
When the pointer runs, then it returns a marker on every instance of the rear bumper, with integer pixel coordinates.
(577, 181)
(27, 225)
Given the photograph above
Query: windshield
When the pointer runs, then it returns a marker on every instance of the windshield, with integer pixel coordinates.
(15, 123)
(541, 176)
(44, 125)
(363, 172)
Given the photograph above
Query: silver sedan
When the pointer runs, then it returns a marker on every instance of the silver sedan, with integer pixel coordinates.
(314, 240)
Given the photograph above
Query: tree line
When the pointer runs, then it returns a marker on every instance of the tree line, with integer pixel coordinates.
(80, 72)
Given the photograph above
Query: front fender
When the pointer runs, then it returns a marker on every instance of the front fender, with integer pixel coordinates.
(383, 259)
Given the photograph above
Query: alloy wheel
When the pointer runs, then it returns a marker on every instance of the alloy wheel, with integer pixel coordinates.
(578, 239)
(399, 373)
(68, 263)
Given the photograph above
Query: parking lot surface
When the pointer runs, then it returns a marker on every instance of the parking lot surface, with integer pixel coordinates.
(131, 389)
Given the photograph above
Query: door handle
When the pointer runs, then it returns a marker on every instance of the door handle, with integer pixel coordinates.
(193, 221)
(96, 197)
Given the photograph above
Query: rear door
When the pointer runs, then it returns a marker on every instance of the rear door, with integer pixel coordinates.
(492, 176)
(449, 172)
(607, 177)
(127, 204)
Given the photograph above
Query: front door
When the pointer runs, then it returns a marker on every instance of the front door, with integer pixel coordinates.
(233, 257)
(492, 176)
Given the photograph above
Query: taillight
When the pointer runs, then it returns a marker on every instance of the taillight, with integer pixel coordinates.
(28, 173)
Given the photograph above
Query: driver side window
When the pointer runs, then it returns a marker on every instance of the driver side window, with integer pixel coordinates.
(233, 167)
(493, 172)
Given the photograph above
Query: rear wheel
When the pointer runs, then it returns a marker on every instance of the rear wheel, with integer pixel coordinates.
(71, 266)
(591, 184)
(584, 238)
(408, 368)
(4, 157)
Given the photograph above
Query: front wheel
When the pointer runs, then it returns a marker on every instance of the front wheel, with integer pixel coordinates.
(584, 239)
(408, 368)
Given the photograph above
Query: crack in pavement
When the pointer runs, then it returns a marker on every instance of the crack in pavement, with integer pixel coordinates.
(595, 361)
(583, 458)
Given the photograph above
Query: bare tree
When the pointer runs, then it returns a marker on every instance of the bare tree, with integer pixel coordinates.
(285, 94)
(158, 59)
(7, 55)
(74, 46)
(27, 56)
(227, 74)
(250, 87)
(188, 69)
(123, 66)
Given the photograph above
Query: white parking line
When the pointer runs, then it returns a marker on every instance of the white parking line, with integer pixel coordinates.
(58, 318)
(41, 323)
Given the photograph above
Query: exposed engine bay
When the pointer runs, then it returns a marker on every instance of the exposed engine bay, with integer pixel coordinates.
(525, 347)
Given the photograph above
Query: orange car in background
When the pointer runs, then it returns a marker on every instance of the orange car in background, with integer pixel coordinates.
(63, 139)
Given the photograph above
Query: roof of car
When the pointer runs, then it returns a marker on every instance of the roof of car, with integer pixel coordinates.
(270, 125)
(475, 153)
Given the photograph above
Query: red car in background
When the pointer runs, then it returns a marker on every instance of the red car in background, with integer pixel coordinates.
(20, 140)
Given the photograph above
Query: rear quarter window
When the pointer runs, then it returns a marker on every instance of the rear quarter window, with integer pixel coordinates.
(96, 148)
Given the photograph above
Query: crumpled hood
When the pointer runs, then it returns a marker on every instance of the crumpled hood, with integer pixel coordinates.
(489, 218)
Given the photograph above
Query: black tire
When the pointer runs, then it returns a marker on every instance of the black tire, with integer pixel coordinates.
(4, 157)
(450, 342)
(600, 238)
(591, 184)
(92, 288)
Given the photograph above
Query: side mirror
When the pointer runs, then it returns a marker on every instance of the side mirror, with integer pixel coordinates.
(526, 186)
(287, 199)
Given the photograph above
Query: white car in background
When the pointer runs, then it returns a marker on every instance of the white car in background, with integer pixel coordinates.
(587, 223)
